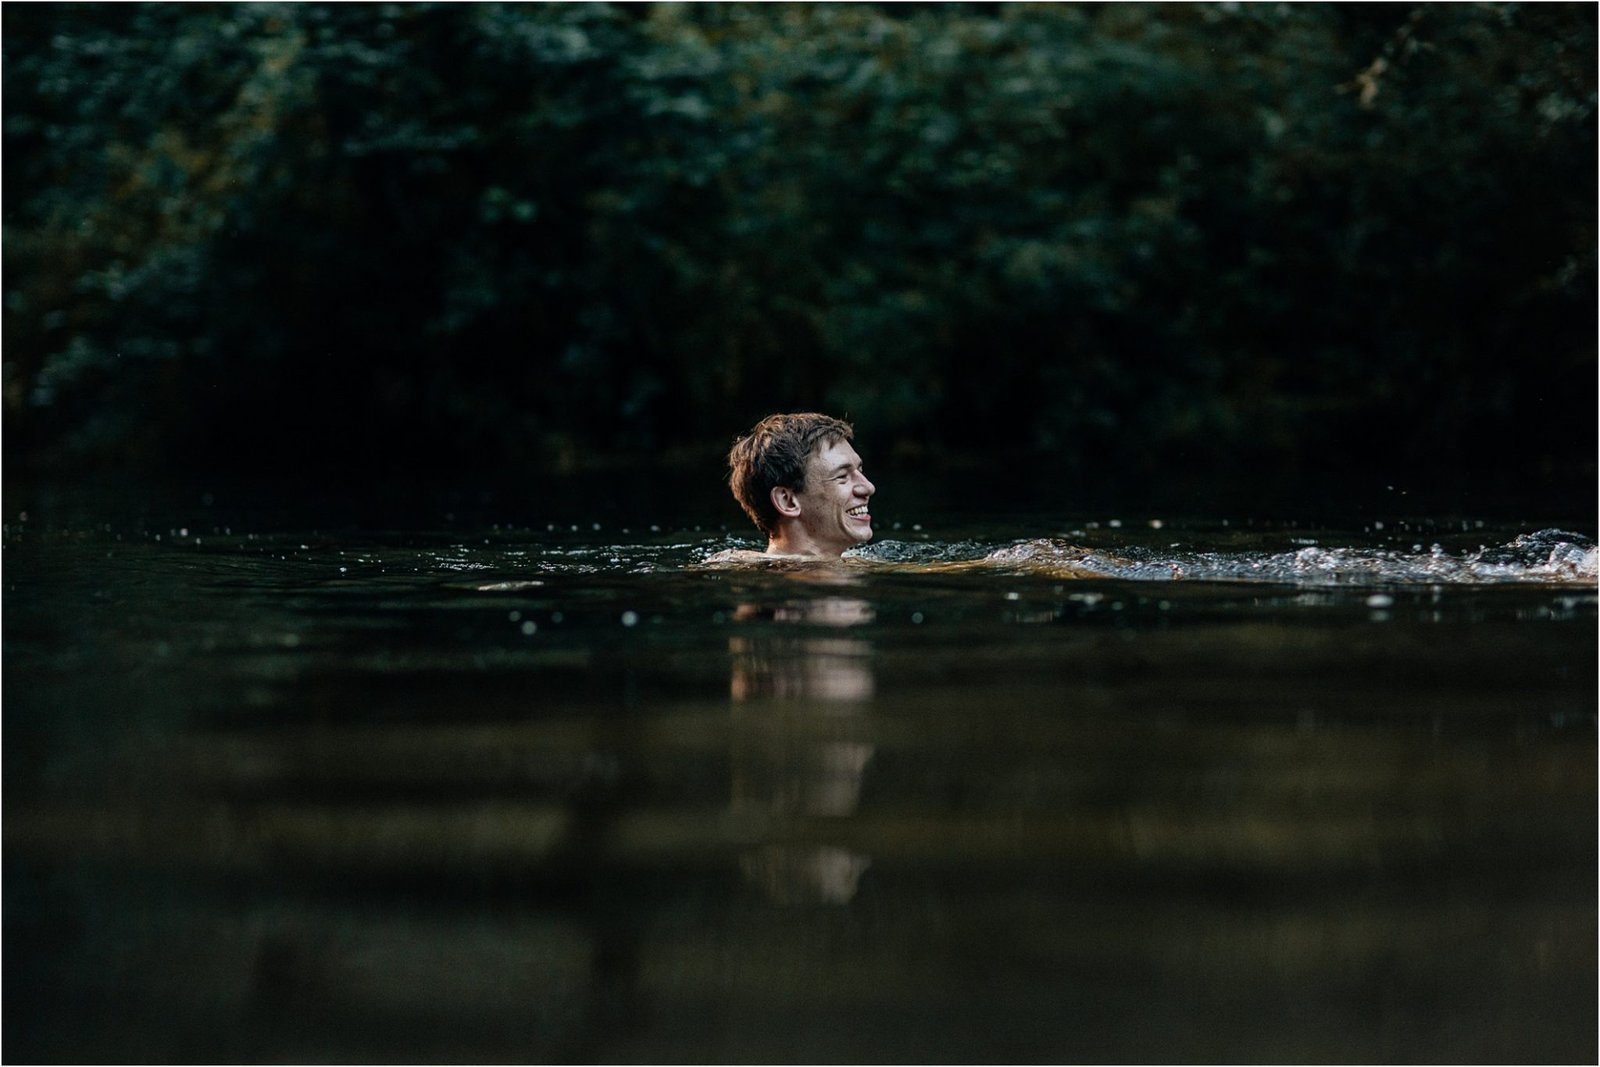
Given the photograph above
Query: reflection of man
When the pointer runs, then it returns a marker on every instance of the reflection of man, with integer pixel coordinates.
(798, 478)
(800, 750)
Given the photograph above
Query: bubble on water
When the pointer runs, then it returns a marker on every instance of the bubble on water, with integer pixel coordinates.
(1115, 524)
(1156, 524)
(514, 616)
(1377, 525)
(916, 617)
(595, 525)
(630, 618)
(1013, 596)
(1380, 600)
(530, 628)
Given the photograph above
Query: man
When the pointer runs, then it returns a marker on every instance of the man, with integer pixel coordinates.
(800, 481)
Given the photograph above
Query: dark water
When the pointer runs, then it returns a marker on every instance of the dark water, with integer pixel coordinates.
(511, 784)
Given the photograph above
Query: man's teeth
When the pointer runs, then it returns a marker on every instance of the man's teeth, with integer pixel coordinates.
(858, 510)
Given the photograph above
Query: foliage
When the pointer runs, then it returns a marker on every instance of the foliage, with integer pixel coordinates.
(1321, 236)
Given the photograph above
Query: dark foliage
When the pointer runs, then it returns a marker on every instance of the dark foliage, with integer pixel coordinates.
(1306, 237)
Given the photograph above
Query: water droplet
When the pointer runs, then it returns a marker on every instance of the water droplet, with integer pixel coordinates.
(1156, 524)
(530, 628)
(630, 618)
(515, 616)
(1013, 596)
(916, 617)
(1115, 524)
(1377, 526)
(1380, 600)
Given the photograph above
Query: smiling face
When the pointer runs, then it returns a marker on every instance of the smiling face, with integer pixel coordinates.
(830, 514)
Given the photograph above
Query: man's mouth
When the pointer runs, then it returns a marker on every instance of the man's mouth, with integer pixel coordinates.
(858, 512)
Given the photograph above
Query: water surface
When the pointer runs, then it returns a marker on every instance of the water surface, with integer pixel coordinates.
(515, 783)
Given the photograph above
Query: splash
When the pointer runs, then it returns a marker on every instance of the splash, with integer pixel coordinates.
(1546, 556)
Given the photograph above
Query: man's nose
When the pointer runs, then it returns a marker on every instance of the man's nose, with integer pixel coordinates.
(864, 487)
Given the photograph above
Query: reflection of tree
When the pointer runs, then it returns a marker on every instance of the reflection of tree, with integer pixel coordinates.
(796, 750)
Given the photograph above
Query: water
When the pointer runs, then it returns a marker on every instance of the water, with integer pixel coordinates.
(515, 783)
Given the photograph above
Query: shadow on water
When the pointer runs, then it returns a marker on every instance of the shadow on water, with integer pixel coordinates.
(505, 786)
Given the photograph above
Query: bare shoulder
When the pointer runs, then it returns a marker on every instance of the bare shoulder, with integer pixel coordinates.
(750, 557)
(737, 557)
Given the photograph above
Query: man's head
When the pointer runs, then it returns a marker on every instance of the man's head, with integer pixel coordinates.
(801, 482)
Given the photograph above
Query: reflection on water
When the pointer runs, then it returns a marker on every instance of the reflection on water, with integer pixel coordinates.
(1004, 792)
(795, 702)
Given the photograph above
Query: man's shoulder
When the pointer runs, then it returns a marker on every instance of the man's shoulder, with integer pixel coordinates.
(739, 555)
(734, 557)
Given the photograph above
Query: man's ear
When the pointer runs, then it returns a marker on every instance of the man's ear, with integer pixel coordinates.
(784, 500)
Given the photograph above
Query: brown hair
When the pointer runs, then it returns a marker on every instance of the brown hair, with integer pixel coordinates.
(774, 453)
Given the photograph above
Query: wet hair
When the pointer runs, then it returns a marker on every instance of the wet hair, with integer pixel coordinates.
(774, 453)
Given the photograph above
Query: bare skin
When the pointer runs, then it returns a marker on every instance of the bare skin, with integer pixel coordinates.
(829, 515)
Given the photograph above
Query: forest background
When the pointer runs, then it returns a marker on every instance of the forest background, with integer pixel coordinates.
(1229, 240)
